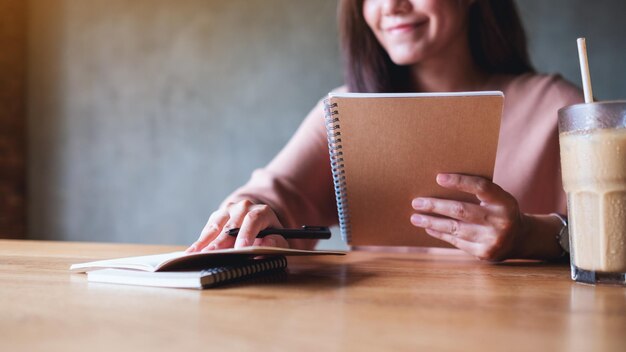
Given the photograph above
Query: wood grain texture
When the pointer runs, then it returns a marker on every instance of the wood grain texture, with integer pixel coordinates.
(12, 119)
(364, 301)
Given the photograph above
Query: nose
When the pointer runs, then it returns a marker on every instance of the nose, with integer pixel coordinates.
(394, 7)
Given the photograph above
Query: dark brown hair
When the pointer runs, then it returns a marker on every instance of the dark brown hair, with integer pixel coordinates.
(496, 38)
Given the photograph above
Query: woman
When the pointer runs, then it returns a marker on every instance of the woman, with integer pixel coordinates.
(427, 46)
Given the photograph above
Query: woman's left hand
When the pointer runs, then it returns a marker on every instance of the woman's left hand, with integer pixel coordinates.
(491, 231)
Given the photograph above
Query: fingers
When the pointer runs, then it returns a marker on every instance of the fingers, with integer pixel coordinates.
(210, 231)
(250, 218)
(258, 218)
(462, 220)
(457, 229)
(272, 241)
(483, 189)
(487, 231)
(478, 240)
(237, 213)
(457, 210)
(472, 248)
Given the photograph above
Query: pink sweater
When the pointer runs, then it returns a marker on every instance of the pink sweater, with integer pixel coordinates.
(298, 184)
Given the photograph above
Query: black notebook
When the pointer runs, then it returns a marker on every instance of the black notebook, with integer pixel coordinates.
(198, 279)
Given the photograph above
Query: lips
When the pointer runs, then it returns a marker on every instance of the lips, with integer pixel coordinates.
(404, 27)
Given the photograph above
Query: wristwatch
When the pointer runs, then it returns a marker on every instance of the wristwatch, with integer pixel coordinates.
(562, 237)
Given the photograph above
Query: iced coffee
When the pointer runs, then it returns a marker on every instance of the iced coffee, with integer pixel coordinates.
(593, 158)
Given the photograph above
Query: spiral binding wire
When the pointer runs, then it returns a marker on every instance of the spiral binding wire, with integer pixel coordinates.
(229, 274)
(333, 131)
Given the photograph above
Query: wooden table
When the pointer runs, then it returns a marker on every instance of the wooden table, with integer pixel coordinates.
(363, 301)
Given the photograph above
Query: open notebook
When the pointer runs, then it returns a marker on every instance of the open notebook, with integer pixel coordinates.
(198, 279)
(194, 270)
(187, 261)
(386, 149)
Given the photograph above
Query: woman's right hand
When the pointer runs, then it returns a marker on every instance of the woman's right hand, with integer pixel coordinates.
(249, 217)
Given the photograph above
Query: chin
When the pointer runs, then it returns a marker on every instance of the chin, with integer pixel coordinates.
(408, 56)
(404, 60)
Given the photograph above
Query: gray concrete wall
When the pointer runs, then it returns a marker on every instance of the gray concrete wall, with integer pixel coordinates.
(553, 27)
(144, 114)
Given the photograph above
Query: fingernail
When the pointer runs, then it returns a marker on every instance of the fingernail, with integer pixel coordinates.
(212, 246)
(418, 203)
(443, 178)
(417, 219)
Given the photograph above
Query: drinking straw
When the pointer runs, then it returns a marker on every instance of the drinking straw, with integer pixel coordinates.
(584, 69)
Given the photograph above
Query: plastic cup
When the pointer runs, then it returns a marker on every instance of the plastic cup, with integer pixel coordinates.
(592, 139)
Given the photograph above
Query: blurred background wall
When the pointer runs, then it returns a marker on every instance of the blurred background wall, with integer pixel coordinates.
(553, 26)
(12, 119)
(144, 114)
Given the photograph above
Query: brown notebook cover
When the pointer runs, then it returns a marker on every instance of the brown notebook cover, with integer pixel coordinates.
(387, 149)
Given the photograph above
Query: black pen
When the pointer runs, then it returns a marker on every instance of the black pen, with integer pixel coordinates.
(306, 232)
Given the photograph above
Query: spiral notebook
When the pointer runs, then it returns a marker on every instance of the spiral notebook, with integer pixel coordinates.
(200, 279)
(192, 261)
(192, 270)
(386, 149)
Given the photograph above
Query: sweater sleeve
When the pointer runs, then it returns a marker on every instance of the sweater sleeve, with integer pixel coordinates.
(297, 184)
(527, 161)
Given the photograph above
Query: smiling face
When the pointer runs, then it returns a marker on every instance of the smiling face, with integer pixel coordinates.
(415, 30)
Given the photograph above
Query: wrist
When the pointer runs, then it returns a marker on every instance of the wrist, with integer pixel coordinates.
(522, 247)
(539, 238)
